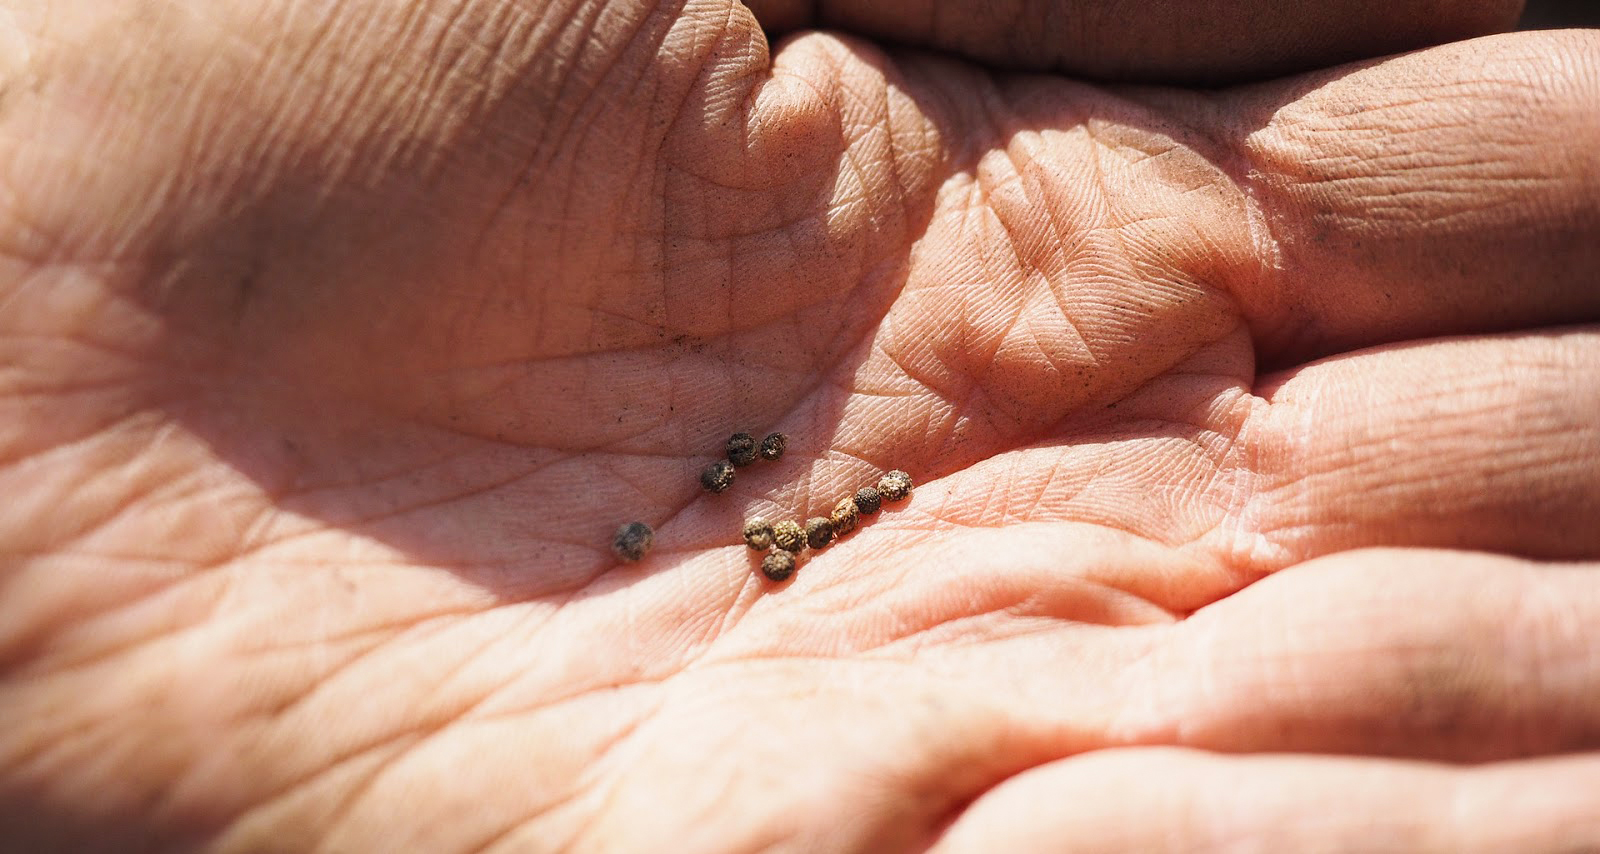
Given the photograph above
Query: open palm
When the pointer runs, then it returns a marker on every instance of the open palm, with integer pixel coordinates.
(336, 345)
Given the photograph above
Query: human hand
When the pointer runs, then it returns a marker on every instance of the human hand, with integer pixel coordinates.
(339, 340)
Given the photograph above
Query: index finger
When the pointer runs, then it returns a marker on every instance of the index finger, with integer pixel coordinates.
(1169, 41)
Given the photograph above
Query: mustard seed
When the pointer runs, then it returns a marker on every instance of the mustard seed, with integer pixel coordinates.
(632, 541)
(741, 449)
(895, 486)
(773, 446)
(868, 500)
(844, 517)
(718, 476)
(788, 536)
(778, 566)
(758, 534)
(819, 532)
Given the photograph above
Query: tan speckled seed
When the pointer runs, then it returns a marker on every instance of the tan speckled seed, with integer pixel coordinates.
(778, 566)
(788, 536)
(845, 516)
(758, 534)
(632, 541)
(741, 449)
(717, 477)
(819, 532)
(895, 486)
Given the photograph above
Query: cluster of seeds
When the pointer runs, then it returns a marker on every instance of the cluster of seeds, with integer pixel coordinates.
(634, 539)
(790, 537)
(742, 451)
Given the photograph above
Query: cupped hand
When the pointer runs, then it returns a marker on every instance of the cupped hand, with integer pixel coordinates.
(1255, 430)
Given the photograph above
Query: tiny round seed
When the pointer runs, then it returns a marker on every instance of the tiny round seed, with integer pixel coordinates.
(772, 446)
(741, 449)
(895, 486)
(788, 536)
(844, 517)
(868, 500)
(778, 566)
(819, 532)
(632, 541)
(758, 534)
(718, 476)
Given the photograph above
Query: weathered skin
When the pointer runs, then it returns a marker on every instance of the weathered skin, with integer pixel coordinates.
(337, 339)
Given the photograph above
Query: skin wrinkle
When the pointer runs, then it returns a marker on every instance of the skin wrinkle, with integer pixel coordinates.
(109, 511)
(536, 159)
(1502, 84)
(416, 736)
(41, 457)
(46, 665)
(499, 63)
(1055, 292)
(303, 82)
(1361, 459)
(603, 751)
(345, 104)
(383, 758)
(326, 796)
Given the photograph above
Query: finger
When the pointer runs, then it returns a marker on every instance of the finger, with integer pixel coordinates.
(1413, 653)
(1453, 190)
(1489, 443)
(1125, 39)
(1176, 800)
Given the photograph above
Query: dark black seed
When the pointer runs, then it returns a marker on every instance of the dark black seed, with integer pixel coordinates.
(718, 476)
(819, 532)
(741, 449)
(895, 486)
(788, 536)
(758, 534)
(844, 517)
(632, 541)
(868, 500)
(772, 446)
(778, 566)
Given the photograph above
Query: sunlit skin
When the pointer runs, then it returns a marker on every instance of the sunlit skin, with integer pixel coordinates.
(1256, 430)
